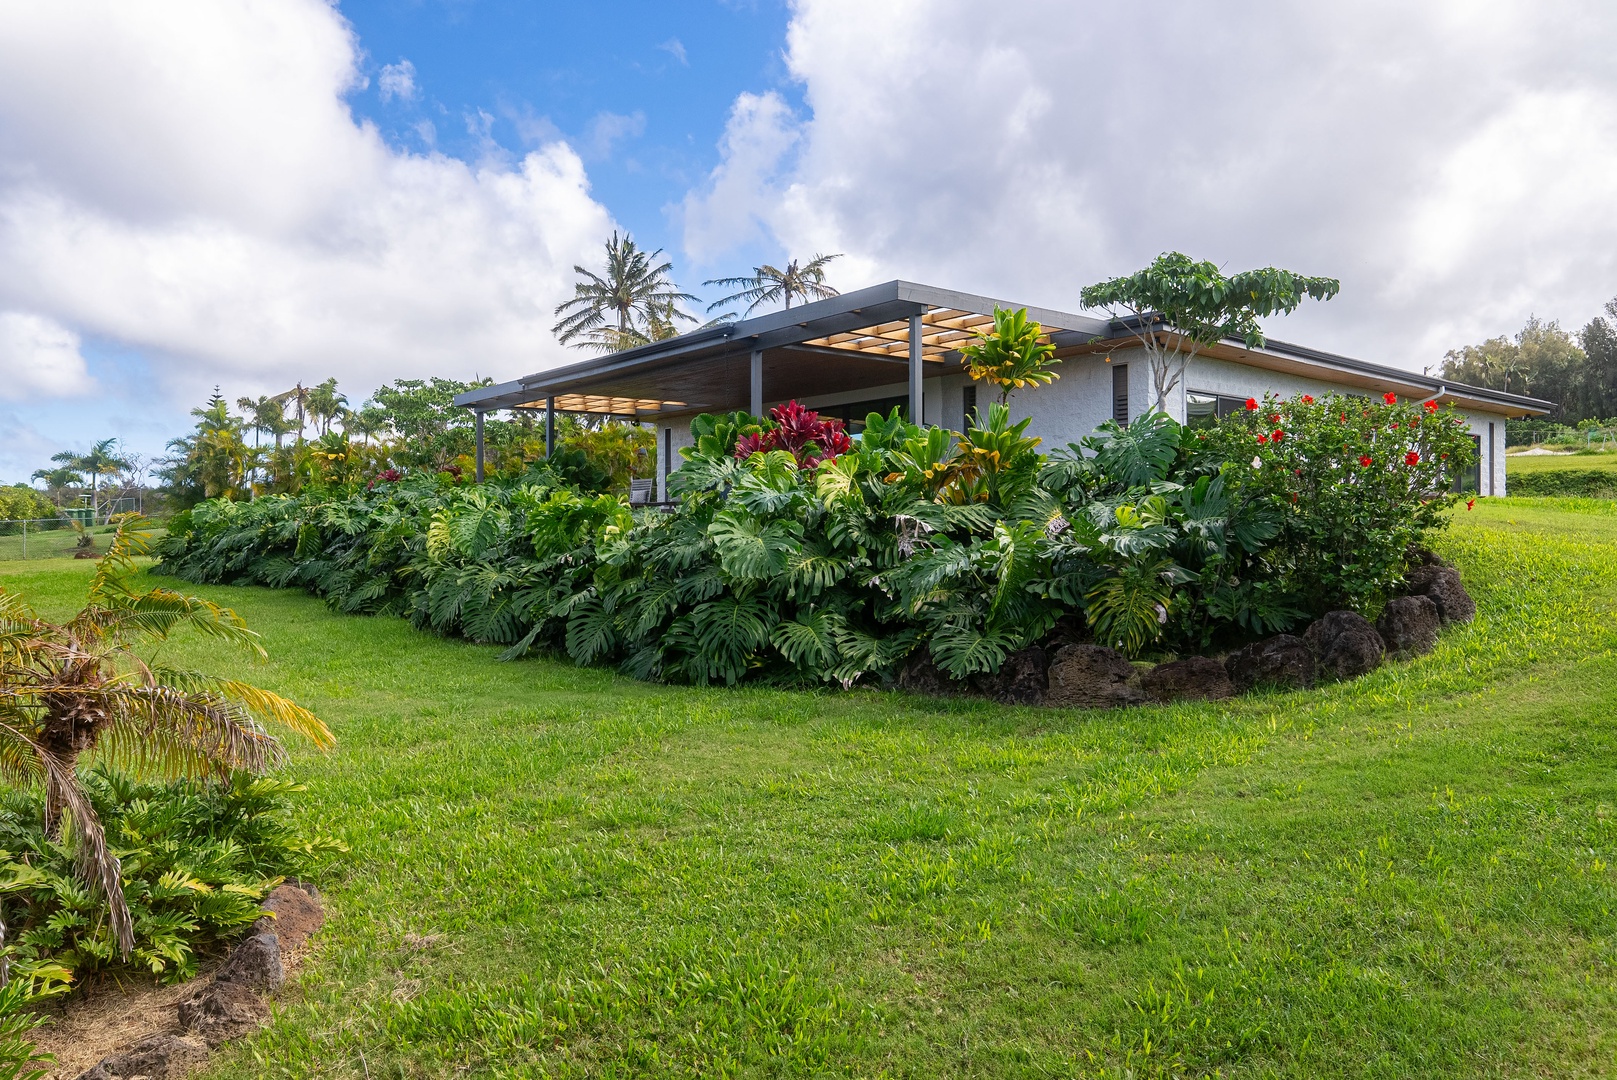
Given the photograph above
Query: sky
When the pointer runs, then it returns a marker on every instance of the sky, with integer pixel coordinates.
(252, 193)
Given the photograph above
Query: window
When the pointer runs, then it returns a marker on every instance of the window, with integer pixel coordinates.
(668, 453)
(968, 405)
(1120, 393)
(1470, 481)
(1203, 409)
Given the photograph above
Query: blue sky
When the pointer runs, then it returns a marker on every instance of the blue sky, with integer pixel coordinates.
(640, 89)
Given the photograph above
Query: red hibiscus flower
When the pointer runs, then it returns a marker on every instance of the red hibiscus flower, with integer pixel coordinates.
(1390, 398)
(1430, 406)
(1262, 439)
(1366, 462)
(1308, 399)
(1470, 503)
(1251, 404)
(1412, 458)
(1278, 436)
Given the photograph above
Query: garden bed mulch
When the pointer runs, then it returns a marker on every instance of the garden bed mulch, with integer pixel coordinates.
(101, 1019)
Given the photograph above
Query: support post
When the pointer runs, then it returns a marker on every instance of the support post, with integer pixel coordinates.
(756, 401)
(916, 370)
(479, 422)
(550, 426)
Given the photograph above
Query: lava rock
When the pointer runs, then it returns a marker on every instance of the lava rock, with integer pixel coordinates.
(1021, 680)
(1284, 660)
(292, 913)
(223, 1011)
(254, 963)
(1420, 556)
(1195, 678)
(156, 1057)
(1091, 677)
(1345, 644)
(1442, 584)
(921, 675)
(1409, 625)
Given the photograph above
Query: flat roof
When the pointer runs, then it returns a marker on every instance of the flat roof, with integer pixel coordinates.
(860, 339)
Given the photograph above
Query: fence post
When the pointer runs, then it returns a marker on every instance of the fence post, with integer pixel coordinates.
(25, 538)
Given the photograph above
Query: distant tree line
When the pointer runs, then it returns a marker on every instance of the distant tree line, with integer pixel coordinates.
(1578, 372)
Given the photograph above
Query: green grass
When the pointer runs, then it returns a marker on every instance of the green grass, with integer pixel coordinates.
(48, 543)
(1517, 463)
(560, 872)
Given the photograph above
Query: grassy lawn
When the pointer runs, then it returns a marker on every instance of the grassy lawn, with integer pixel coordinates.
(561, 872)
(1518, 463)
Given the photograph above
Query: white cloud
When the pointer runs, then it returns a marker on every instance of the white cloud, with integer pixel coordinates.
(1455, 163)
(40, 358)
(186, 180)
(675, 48)
(397, 81)
(608, 128)
(741, 194)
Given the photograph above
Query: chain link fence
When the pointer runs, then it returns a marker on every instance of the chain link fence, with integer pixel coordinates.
(51, 538)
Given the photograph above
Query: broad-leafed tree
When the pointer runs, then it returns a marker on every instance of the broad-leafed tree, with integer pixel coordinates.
(1177, 307)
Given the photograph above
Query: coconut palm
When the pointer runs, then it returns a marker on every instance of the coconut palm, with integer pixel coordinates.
(631, 302)
(81, 688)
(325, 405)
(298, 398)
(102, 460)
(769, 285)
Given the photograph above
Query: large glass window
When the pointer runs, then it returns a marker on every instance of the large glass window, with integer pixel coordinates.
(1203, 409)
(1470, 481)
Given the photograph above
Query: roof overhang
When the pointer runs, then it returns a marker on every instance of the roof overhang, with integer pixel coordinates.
(848, 342)
(1300, 360)
(861, 340)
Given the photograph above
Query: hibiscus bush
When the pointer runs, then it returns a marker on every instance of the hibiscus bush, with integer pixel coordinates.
(1355, 483)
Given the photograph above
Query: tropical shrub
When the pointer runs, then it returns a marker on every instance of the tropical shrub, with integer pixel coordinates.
(798, 554)
(1566, 483)
(85, 689)
(798, 431)
(196, 860)
(1355, 483)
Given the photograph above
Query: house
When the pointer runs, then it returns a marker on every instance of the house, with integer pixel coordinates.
(897, 343)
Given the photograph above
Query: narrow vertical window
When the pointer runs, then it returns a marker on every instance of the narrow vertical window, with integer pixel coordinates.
(668, 452)
(1120, 393)
(968, 405)
(1490, 458)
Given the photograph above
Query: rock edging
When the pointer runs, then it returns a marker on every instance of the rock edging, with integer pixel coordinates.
(231, 1004)
(1338, 645)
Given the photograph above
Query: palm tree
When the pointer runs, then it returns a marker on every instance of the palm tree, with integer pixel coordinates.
(299, 397)
(631, 303)
(81, 688)
(58, 480)
(325, 405)
(102, 460)
(769, 285)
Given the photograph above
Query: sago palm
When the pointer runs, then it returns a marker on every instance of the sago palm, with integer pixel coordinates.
(631, 302)
(770, 285)
(79, 688)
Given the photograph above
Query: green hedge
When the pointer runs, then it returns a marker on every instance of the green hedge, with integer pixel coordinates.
(1573, 483)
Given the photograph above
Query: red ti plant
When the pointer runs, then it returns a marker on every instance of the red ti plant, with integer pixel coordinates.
(800, 432)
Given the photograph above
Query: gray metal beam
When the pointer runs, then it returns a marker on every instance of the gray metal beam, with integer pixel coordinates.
(917, 372)
(479, 415)
(550, 426)
(755, 400)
